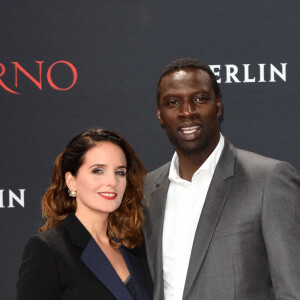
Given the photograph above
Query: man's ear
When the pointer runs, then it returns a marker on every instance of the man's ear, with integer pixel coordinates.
(219, 108)
(159, 116)
(70, 181)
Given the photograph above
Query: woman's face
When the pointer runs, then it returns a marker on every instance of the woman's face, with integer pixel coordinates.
(101, 180)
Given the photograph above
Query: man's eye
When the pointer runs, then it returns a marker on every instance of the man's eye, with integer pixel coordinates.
(172, 102)
(200, 100)
(97, 171)
(121, 172)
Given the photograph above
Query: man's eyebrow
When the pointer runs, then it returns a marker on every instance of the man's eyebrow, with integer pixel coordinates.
(176, 94)
(168, 95)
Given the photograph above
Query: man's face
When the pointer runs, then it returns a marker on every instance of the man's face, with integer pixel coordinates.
(189, 111)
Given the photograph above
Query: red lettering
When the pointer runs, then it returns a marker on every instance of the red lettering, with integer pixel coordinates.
(2, 83)
(19, 67)
(73, 69)
(38, 82)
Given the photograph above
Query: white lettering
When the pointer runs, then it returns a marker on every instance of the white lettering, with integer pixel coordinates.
(281, 74)
(261, 72)
(12, 196)
(216, 70)
(246, 74)
(1, 199)
(231, 71)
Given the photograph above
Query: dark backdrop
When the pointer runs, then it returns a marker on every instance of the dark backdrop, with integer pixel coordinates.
(118, 49)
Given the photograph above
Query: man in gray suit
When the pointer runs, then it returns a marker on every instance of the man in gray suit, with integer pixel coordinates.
(221, 223)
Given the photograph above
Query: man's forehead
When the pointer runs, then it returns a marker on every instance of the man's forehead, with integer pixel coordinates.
(178, 74)
(188, 74)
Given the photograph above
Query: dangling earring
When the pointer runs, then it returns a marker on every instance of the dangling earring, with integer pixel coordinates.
(72, 192)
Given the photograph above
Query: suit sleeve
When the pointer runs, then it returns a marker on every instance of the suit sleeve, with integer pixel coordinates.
(281, 230)
(38, 275)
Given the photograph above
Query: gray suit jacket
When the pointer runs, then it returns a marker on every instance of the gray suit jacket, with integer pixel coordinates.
(247, 243)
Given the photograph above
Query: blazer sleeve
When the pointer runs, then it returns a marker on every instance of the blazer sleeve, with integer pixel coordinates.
(281, 229)
(38, 275)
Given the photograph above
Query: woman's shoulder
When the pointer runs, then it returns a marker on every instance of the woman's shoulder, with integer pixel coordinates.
(45, 240)
(39, 271)
(54, 232)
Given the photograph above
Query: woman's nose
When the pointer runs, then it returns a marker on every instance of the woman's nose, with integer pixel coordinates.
(111, 180)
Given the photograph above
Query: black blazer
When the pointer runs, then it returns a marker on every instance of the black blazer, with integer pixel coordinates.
(65, 263)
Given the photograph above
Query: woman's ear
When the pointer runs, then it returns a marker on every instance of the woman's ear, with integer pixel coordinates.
(70, 181)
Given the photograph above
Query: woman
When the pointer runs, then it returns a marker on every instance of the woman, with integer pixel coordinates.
(89, 247)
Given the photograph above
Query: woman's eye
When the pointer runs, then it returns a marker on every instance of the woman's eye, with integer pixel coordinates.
(98, 171)
(121, 172)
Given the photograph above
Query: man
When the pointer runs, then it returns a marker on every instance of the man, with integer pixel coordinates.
(221, 223)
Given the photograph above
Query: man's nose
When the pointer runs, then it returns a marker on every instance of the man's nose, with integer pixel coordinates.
(187, 110)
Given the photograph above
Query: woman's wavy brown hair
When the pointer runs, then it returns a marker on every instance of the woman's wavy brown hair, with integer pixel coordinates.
(125, 223)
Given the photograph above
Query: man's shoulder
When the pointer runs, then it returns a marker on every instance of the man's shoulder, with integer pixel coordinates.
(257, 164)
(157, 172)
(240, 161)
(245, 156)
(154, 176)
(252, 157)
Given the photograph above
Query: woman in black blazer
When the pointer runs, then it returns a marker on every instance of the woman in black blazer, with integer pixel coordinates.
(91, 246)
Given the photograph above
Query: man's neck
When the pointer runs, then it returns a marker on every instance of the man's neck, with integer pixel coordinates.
(189, 163)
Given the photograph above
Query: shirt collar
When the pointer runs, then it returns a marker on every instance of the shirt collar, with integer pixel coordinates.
(209, 165)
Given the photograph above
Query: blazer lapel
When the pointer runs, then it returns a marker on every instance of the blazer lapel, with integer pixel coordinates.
(97, 262)
(216, 197)
(77, 232)
(154, 229)
(132, 263)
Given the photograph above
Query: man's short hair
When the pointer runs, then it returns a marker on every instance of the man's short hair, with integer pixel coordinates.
(186, 63)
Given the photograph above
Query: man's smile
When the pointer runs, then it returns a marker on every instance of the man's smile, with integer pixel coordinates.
(189, 132)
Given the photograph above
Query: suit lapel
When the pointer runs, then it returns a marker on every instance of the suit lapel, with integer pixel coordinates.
(97, 262)
(153, 232)
(215, 200)
(77, 232)
(94, 258)
(136, 274)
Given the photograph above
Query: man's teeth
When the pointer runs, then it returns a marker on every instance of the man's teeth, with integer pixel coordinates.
(108, 194)
(188, 130)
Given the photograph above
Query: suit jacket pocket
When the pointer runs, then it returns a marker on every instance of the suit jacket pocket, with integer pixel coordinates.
(234, 229)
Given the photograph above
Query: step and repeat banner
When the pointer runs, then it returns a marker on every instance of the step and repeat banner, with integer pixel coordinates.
(66, 66)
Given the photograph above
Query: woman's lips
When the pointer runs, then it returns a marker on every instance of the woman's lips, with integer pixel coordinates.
(108, 195)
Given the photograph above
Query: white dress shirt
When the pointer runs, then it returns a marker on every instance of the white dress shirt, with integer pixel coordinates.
(184, 204)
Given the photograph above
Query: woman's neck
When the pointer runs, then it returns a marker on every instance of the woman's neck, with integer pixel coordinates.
(95, 223)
